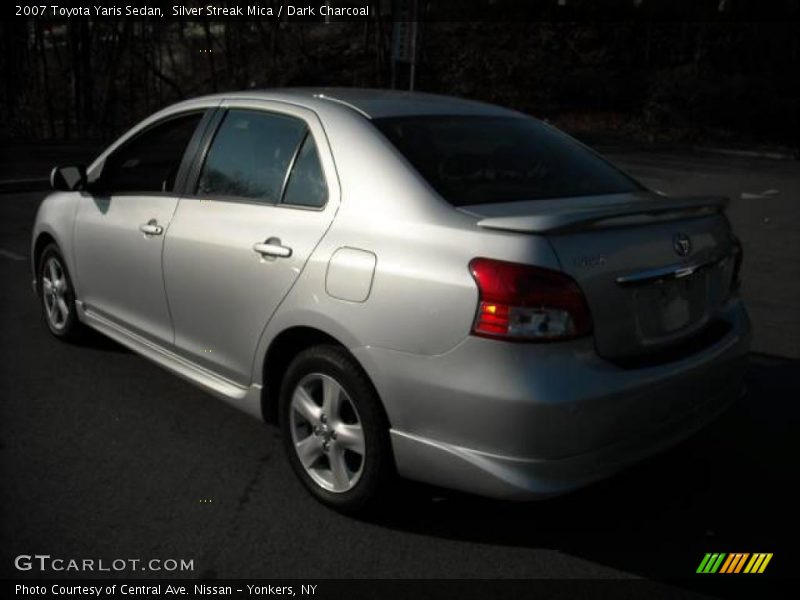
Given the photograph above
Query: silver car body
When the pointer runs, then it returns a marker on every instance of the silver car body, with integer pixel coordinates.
(383, 270)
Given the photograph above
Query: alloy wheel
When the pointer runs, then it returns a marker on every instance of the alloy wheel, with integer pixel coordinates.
(327, 433)
(55, 289)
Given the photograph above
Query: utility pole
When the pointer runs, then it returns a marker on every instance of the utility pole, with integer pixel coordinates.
(404, 39)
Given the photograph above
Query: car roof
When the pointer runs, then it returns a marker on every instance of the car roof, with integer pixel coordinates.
(375, 103)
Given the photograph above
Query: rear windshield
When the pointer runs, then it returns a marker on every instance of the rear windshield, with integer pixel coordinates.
(479, 160)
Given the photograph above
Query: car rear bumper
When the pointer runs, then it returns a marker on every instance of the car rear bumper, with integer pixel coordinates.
(513, 478)
(525, 421)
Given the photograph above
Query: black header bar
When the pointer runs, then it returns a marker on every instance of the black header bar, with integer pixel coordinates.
(426, 10)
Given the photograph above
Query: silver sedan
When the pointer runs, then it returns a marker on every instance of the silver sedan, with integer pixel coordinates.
(406, 283)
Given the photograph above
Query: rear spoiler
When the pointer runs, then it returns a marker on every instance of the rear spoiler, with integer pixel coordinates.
(617, 215)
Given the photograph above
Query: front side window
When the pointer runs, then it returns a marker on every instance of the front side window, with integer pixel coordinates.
(306, 185)
(477, 159)
(150, 161)
(250, 156)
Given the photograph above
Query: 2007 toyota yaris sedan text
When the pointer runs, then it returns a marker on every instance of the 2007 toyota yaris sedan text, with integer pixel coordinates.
(407, 283)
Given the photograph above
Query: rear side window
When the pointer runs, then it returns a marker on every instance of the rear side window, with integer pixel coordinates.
(306, 185)
(250, 156)
(150, 162)
(478, 160)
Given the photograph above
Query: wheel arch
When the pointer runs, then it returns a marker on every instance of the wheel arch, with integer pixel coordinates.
(279, 355)
(55, 223)
(43, 239)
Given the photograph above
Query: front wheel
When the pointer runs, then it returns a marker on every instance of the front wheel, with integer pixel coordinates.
(334, 429)
(58, 296)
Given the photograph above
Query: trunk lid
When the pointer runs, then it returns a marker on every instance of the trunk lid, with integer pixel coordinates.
(655, 270)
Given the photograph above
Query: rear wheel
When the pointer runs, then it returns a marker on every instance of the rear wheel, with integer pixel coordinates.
(335, 432)
(58, 296)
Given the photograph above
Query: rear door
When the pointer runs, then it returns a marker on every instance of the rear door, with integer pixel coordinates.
(120, 227)
(263, 196)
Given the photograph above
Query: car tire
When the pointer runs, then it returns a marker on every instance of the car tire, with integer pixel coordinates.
(57, 296)
(326, 402)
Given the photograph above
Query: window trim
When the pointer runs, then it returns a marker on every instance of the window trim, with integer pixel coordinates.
(291, 170)
(184, 164)
(199, 160)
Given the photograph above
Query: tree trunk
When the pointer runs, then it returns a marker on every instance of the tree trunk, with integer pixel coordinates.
(51, 122)
(209, 49)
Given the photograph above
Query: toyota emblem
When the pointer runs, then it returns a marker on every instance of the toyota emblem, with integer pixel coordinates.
(682, 244)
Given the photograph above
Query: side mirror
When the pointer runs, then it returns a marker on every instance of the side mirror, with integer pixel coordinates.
(68, 179)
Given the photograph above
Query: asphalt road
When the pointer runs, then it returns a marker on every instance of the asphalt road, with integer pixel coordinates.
(104, 455)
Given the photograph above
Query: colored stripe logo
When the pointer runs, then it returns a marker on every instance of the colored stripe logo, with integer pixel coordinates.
(737, 562)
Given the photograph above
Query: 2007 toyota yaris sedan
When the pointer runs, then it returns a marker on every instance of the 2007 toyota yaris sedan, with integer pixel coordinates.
(406, 283)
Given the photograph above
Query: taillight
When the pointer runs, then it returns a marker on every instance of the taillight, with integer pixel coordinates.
(522, 302)
(738, 256)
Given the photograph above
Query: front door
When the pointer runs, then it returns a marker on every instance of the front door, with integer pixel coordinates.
(121, 225)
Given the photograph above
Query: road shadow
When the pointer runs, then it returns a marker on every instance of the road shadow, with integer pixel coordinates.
(730, 488)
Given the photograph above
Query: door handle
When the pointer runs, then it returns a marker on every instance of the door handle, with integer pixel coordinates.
(272, 247)
(151, 228)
